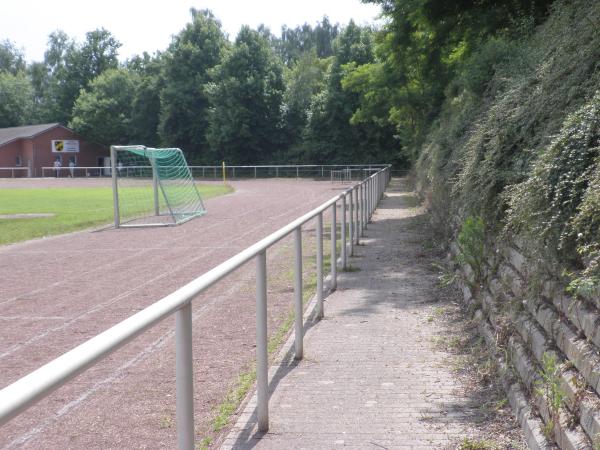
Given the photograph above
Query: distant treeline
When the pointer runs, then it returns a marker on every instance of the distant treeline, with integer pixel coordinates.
(261, 99)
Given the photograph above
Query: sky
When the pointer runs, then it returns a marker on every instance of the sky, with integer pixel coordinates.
(142, 25)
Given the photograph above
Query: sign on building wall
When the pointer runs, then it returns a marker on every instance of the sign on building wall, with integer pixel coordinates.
(65, 146)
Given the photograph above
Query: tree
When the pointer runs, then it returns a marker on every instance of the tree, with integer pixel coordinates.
(103, 112)
(303, 81)
(16, 99)
(145, 114)
(74, 66)
(184, 103)
(294, 42)
(11, 58)
(48, 78)
(330, 136)
(246, 100)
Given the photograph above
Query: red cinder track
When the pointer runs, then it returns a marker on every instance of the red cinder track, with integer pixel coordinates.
(56, 293)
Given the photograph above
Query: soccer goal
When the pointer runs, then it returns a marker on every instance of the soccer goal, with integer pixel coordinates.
(152, 187)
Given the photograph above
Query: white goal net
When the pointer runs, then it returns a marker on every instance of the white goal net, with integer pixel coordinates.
(152, 187)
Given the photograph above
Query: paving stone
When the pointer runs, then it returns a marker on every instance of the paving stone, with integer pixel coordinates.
(372, 375)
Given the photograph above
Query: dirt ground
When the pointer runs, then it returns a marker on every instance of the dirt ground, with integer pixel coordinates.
(55, 293)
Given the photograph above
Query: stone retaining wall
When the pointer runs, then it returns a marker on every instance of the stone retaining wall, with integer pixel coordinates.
(528, 320)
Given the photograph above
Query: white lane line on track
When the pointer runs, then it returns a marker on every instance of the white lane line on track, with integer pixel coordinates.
(101, 306)
(120, 372)
(32, 318)
(101, 268)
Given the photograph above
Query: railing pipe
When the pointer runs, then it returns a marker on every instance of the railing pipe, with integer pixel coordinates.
(262, 357)
(351, 222)
(333, 247)
(299, 325)
(320, 294)
(184, 377)
(360, 210)
(343, 224)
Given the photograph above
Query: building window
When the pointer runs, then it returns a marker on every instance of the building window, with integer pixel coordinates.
(18, 161)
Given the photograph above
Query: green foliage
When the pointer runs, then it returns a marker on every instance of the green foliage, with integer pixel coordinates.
(245, 118)
(146, 106)
(330, 137)
(470, 444)
(303, 81)
(103, 112)
(549, 387)
(294, 43)
(184, 103)
(549, 205)
(16, 99)
(471, 244)
(82, 63)
(11, 58)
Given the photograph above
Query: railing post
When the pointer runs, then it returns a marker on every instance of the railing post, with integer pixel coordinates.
(343, 223)
(362, 208)
(351, 222)
(184, 377)
(333, 247)
(368, 199)
(299, 325)
(320, 312)
(373, 194)
(356, 220)
(262, 361)
(254, 171)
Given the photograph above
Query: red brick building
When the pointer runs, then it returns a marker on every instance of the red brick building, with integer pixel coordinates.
(35, 146)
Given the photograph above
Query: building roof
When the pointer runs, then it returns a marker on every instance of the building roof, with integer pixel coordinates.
(29, 131)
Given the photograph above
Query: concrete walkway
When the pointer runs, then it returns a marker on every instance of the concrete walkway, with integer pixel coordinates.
(372, 376)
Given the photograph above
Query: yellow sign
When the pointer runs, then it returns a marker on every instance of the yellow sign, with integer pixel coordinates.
(65, 146)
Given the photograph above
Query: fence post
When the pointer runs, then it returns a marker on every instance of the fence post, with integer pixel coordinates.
(262, 361)
(254, 171)
(184, 377)
(356, 221)
(333, 247)
(299, 326)
(343, 224)
(320, 312)
(351, 222)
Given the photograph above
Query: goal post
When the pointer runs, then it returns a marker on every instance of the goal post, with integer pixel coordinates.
(152, 187)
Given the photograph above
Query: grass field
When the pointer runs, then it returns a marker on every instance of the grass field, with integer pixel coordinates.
(73, 209)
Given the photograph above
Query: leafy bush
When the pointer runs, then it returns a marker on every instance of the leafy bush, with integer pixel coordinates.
(471, 243)
(549, 206)
(520, 149)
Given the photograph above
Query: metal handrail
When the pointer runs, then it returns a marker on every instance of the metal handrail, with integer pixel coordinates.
(30, 389)
(300, 168)
(17, 168)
